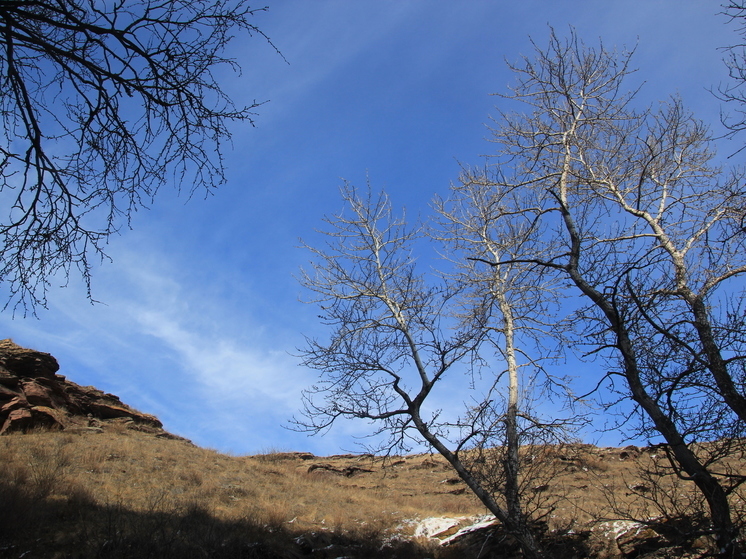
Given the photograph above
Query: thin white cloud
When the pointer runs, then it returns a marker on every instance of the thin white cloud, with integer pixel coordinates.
(227, 367)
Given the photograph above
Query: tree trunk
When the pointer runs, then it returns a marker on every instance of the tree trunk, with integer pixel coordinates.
(715, 363)
(517, 527)
(511, 464)
(708, 485)
(711, 489)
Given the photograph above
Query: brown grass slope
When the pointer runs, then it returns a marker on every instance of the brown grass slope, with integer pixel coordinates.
(127, 493)
(83, 475)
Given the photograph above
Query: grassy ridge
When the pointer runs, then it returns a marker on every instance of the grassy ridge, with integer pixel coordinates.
(126, 493)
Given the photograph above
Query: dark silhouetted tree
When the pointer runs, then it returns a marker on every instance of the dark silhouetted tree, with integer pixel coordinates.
(102, 103)
(733, 92)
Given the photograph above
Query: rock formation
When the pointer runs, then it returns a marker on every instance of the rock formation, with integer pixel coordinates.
(33, 395)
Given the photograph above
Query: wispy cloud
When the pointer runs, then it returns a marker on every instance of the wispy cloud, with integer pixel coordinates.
(226, 366)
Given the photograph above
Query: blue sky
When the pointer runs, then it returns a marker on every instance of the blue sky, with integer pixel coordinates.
(200, 314)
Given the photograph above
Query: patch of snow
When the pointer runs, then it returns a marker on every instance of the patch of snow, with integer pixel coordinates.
(614, 529)
(431, 527)
(435, 527)
(485, 522)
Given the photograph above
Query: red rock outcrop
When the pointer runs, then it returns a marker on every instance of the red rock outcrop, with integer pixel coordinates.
(33, 395)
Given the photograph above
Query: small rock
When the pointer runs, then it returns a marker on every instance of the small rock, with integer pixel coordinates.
(704, 543)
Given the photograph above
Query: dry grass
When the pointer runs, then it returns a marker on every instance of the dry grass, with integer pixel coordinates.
(123, 493)
(103, 491)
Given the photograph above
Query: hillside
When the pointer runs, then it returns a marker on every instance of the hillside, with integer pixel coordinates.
(116, 485)
(126, 493)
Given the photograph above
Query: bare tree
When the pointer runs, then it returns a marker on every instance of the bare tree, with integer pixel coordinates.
(102, 103)
(395, 341)
(734, 92)
(516, 310)
(638, 218)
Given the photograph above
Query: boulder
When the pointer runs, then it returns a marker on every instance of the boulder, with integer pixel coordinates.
(15, 403)
(625, 539)
(639, 540)
(30, 418)
(104, 410)
(17, 420)
(36, 394)
(22, 362)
